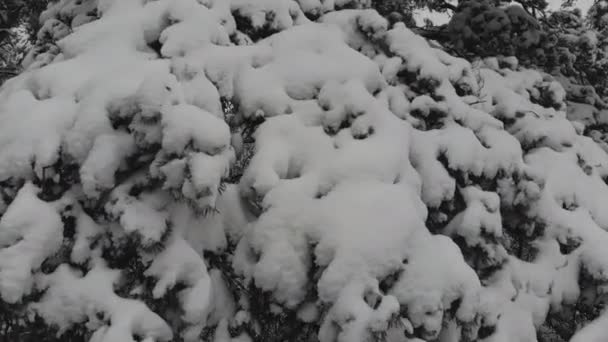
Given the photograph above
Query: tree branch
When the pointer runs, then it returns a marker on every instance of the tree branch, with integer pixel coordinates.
(8, 72)
(434, 34)
(447, 5)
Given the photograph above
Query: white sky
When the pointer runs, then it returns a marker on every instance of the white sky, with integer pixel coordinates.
(442, 18)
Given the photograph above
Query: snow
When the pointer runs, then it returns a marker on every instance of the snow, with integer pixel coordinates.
(180, 263)
(32, 132)
(30, 231)
(195, 27)
(362, 137)
(482, 216)
(285, 13)
(138, 216)
(186, 124)
(73, 298)
(355, 315)
(104, 160)
(500, 152)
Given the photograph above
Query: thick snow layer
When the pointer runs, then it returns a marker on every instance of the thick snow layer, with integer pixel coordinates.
(30, 232)
(106, 156)
(189, 125)
(383, 181)
(32, 132)
(147, 219)
(180, 263)
(74, 298)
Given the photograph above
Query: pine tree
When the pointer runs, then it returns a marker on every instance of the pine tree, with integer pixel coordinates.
(18, 27)
(245, 170)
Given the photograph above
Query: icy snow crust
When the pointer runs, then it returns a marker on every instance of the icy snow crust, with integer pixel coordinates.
(368, 133)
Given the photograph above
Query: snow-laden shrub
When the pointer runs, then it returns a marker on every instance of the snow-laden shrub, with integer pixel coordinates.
(288, 171)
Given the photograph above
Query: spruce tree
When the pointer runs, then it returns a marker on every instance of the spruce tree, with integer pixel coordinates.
(277, 170)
